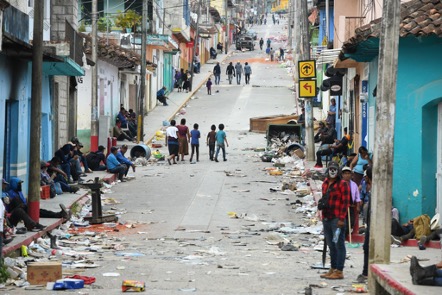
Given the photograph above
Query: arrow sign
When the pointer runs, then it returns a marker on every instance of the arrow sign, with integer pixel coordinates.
(307, 69)
(307, 88)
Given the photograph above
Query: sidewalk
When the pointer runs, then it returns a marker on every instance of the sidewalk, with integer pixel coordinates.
(67, 199)
(152, 123)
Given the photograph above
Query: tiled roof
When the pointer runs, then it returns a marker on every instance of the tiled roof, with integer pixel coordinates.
(114, 54)
(419, 18)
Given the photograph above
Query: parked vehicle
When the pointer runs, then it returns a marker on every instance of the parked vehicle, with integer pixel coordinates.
(245, 42)
(252, 33)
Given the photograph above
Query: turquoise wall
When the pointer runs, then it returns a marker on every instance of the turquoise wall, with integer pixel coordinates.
(419, 87)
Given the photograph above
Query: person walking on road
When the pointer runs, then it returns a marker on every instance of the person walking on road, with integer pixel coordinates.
(209, 86)
(247, 72)
(211, 140)
(269, 42)
(195, 142)
(172, 142)
(261, 43)
(281, 54)
(230, 72)
(239, 69)
(336, 197)
(272, 54)
(183, 139)
(217, 73)
(221, 138)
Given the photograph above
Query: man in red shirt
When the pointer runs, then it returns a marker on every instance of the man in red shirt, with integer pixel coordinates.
(334, 219)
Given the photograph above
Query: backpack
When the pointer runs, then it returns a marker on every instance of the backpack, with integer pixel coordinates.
(421, 225)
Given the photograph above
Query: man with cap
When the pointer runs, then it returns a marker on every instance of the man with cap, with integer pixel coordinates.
(46, 178)
(114, 166)
(336, 192)
(65, 154)
(355, 201)
(82, 158)
(339, 147)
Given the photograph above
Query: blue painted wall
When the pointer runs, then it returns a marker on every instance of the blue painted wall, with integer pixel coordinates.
(322, 24)
(418, 93)
(15, 85)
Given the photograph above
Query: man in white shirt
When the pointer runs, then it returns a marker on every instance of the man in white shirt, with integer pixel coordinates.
(355, 202)
(172, 141)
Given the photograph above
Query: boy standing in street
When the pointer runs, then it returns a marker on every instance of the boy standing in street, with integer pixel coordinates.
(221, 138)
(209, 86)
(211, 140)
(195, 142)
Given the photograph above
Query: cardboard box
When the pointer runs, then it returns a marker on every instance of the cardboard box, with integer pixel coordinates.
(39, 273)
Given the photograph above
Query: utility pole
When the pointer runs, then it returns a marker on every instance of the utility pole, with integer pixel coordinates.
(327, 21)
(94, 81)
(140, 130)
(384, 134)
(290, 41)
(195, 43)
(35, 135)
(227, 27)
(303, 53)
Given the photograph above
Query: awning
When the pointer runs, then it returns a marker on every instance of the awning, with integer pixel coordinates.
(52, 64)
(67, 67)
(181, 35)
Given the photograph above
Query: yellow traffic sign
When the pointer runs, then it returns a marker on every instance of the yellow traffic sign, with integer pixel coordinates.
(307, 69)
(307, 88)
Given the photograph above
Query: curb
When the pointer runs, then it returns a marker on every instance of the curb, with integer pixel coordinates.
(57, 222)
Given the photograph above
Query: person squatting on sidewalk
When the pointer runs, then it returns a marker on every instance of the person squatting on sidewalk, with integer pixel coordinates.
(336, 196)
(221, 138)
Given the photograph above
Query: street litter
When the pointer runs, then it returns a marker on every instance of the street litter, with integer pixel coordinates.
(134, 286)
(129, 254)
(111, 274)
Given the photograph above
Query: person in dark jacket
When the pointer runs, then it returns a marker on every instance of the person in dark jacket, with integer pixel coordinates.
(213, 53)
(65, 154)
(230, 72)
(18, 207)
(94, 159)
(217, 73)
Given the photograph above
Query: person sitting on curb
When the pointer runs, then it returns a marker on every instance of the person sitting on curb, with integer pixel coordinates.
(114, 166)
(17, 199)
(48, 179)
(123, 160)
(161, 95)
(339, 147)
(428, 276)
(120, 134)
(94, 159)
(60, 176)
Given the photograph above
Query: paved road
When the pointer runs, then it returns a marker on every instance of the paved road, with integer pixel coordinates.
(189, 242)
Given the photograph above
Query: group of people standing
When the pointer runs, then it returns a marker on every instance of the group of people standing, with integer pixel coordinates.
(179, 136)
(182, 82)
(233, 71)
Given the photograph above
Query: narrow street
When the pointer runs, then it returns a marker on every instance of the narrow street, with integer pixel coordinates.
(213, 228)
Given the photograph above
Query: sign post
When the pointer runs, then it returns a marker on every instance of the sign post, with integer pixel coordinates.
(307, 90)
